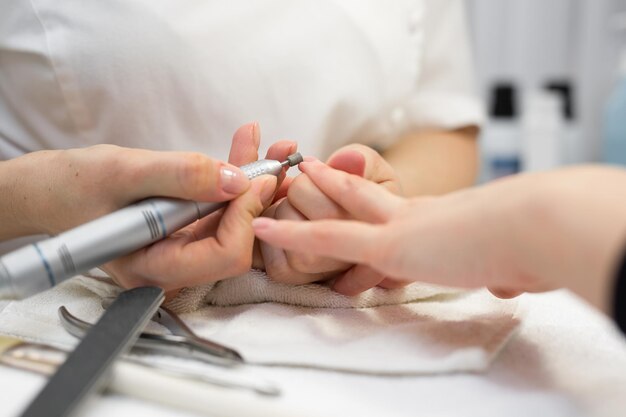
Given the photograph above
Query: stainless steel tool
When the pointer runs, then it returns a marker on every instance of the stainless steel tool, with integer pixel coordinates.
(88, 365)
(187, 345)
(226, 374)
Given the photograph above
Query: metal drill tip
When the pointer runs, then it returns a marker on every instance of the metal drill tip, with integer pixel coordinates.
(293, 160)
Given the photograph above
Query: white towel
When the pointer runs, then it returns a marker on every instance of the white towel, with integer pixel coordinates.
(420, 329)
(255, 288)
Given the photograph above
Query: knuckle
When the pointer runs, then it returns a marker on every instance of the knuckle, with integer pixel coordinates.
(257, 207)
(302, 262)
(297, 188)
(278, 271)
(107, 149)
(237, 264)
(241, 266)
(286, 211)
(195, 173)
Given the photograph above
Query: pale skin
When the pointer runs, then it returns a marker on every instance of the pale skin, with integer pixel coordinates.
(527, 233)
(51, 191)
(422, 163)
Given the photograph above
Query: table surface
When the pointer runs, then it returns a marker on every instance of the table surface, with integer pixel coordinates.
(566, 360)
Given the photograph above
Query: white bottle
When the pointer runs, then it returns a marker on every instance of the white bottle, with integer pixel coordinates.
(500, 137)
(573, 147)
(542, 131)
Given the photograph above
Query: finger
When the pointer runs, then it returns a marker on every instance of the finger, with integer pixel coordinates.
(283, 189)
(279, 151)
(278, 269)
(305, 262)
(185, 175)
(391, 284)
(505, 293)
(363, 199)
(276, 265)
(235, 229)
(245, 145)
(358, 279)
(348, 241)
(348, 160)
(229, 253)
(365, 162)
(308, 199)
(313, 203)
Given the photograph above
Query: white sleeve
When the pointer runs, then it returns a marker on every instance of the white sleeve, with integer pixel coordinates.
(446, 95)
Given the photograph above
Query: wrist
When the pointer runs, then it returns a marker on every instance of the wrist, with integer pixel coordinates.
(22, 183)
(574, 231)
(14, 205)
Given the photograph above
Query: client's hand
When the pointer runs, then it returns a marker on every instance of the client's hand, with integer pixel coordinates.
(525, 233)
(464, 239)
(305, 201)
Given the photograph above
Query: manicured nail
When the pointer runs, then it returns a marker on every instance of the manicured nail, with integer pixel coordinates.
(304, 166)
(233, 180)
(262, 223)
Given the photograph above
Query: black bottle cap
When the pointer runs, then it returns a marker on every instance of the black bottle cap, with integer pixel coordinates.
(565, 90)
(504, 101)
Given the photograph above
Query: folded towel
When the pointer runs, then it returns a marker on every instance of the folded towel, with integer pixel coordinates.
(255, 287)
(420, 329)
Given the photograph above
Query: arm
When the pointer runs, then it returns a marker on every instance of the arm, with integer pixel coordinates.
(16, 203)
(528, 233)
(435, 162)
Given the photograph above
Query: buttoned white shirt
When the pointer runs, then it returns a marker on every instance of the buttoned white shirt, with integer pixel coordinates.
(166, 74)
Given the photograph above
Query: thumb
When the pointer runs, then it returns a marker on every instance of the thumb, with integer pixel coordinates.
(235, 230)
(365, 162)
(348, 160)
(189, 176)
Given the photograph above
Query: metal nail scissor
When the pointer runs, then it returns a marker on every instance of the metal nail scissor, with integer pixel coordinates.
(190, 348)
(182, 343)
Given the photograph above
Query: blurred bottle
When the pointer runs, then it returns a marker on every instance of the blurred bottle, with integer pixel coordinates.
(614, 135)
(542, 130)
(572, 148)
(500, 140)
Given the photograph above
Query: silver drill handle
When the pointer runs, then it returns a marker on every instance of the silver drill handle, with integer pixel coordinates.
(39, 266)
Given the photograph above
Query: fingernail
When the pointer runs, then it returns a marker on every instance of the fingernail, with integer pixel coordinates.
(267, 193)
(310, 159)
(304, 166)
(262, 223)
(256, 133)
(233, 180)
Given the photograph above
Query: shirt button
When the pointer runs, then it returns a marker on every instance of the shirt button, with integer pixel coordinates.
(398, 116)
(415, 19)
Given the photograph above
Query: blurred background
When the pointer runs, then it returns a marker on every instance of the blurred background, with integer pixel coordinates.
(553, 75)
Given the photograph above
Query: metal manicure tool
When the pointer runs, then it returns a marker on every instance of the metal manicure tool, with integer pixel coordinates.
(86, 369)
(183, 342)
(44, 264)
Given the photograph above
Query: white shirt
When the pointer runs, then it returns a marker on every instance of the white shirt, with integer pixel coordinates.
(162, 74)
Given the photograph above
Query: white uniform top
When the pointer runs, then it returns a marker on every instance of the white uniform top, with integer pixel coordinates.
(165, 74)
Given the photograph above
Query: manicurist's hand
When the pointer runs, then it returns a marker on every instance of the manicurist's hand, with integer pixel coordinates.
(528, 233)
(52, 191)
(305, 201)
